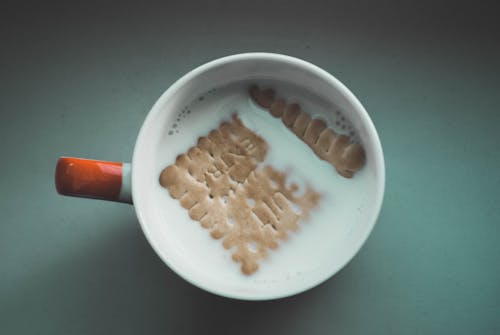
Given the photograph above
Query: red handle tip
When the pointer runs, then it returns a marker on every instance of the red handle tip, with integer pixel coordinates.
(88, 178)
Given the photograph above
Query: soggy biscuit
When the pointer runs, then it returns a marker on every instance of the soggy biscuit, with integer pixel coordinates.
(221, 184)
(263, 98)
(290, 114)
(278, 108)
(338, 150)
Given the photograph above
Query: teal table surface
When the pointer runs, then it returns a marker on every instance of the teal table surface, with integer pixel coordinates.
(79, 78)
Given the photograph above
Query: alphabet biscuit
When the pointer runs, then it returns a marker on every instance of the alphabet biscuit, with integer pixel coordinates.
(222, 186)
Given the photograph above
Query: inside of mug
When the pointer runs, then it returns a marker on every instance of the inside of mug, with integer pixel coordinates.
(198, 103)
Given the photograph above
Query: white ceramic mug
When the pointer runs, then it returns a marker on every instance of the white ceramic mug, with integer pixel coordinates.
(137, 182)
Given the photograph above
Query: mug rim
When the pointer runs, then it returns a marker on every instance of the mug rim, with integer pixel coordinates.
(191, 75)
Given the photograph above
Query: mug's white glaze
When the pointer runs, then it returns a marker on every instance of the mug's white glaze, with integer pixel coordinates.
(154, 215)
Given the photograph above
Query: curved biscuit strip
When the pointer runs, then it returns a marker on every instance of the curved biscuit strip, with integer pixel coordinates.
(346, 157)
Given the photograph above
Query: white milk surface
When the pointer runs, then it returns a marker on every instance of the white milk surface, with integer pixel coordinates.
(318, 240)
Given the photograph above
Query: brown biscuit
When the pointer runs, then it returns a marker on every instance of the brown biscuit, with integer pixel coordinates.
(345, 156)
(300, 125)
(278, 107)
(314, 129)
(220, 184)
(290, 114)
(264, 98)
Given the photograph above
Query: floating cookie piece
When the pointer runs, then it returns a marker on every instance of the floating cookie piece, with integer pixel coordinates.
(221, 185)
(345, 156)
(290, 114)
(278, 108)
(263, 98)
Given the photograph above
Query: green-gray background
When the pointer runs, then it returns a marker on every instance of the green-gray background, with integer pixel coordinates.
(79, 78)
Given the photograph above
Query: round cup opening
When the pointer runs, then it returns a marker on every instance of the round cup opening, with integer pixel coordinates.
(156, 222)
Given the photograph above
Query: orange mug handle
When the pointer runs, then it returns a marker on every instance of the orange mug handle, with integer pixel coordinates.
(88, 178)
